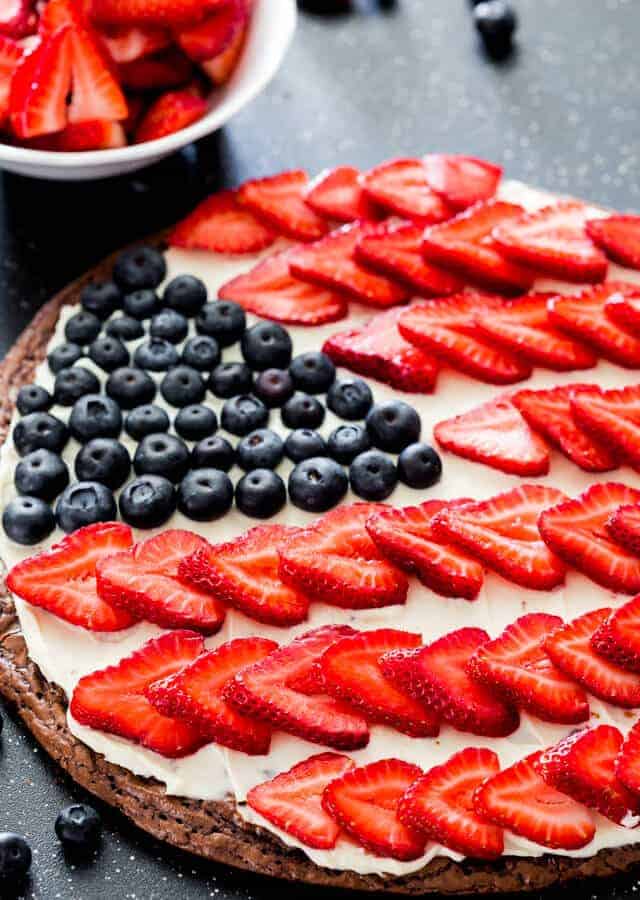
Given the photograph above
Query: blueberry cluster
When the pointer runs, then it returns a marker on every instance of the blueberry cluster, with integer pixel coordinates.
(180, 460)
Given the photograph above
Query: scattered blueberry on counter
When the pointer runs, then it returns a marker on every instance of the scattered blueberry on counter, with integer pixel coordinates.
(79, 828)
(15, 857)
(496, 23)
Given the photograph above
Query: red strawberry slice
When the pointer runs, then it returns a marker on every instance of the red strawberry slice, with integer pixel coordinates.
(517, 666)
(171, 112)
(549, 413)
(623, 309)
(152, 12)
(611, 417)
(619, 237)
(584, 316)
(364, 801)
(169, 69)
(126, 44)
(144, 581)
(220, 68)
(194, 695)
(519, 799)
(95, 92)
(271, 291)
(465, 245)
(503, 533)
(400, 186)
(62, 580)
(338, 194)
(395, 249)
(222, 225)
(438, 676)
(351, 672)
(267, 691)
(554, 241)
(211, 37)
(583, 765)
(571, 650)
(378, 350)
(10, 56)
(336, 562)
(113, 699)
(628, 763)
(624, 527)
(461, 180)
(18, 19)
(292, 801)
(39, 88)
(244, 573)
(496, 435)
(440, 804)
(96, 135)
(279, 201)
(575, 531)
(617, 637)
(331, 262)
(407, 538)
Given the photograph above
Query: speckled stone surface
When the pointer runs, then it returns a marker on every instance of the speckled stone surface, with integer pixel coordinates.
(561, 113)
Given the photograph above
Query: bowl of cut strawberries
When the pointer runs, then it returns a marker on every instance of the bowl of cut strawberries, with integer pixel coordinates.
(94, 88)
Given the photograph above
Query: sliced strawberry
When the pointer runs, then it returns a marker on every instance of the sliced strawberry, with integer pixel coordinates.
(440, 804)
(127, 44)
(549, 413)
(96, 135)
(519, 799)
(401, 187)
(267, 691)
(292, 801)
(95, 92)
(220, 68)
(39, 87)
(461, 180)
(168, 69)
(624, 527)
(571, 651)
(244, 573)
(406, 537)
(331, 262)
(220, 224)
(351, 672)
(194, 695)
(10, 56)
(337, 194)
(465, 245)
(378, 350)
(623, 309)
(212, 36)
(517, 666)
(336, 562)
(619, 237)
(612, 418)
(628, 763)
(171, 112)
(18, 19)
(271, 291)
(113, 699)
(364, 801)
(153, 12)
(583, 765)
(437, 675)
(279, 201)
(496, 435)
(618, 636)
(62, 580)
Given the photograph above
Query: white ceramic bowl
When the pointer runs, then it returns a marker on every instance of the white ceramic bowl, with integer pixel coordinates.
(272, 27)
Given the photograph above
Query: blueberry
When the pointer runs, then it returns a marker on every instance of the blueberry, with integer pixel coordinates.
(373, 475)
(303, 411)
(95, 415)
(183, 386)
(156, 355)
(213, 453)
(105, 460)
(223, 320)
(85, 503)
(496, 23)
(260, 449)
(195, 422)
(266, 345)
(125, 328)
(347, 441)
(201, 352)
(139, 267)
(162, 454)
(33, 398)
(274, 387)
(317, 484)
(15, 857)
(82, 328)
(419, 466)
(350, 398)
(393, 425)
(231, 379)
(303, 443)
(73, 383)
(42, 474)
(40, 430)
(147, 502)
(243, 414)
(101, 298)
(79, 827)
(205, 494)
(109, 353)
(130, 387)
(313, 372)
(186, 294)
(144, 420)
(260, 494)
(63, 356)
(141, 304)
(27, 520)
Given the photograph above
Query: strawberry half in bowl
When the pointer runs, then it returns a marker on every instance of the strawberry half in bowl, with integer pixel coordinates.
(49, 141)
